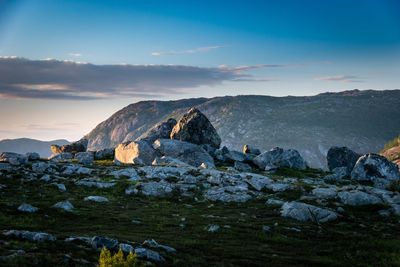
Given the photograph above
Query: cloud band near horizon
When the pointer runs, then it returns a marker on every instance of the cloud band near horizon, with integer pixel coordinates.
(68, 80)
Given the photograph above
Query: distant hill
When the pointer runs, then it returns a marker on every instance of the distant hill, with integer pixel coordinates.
(361, 120)
(24, 145)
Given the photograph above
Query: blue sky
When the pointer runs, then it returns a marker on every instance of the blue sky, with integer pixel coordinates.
(222, 47)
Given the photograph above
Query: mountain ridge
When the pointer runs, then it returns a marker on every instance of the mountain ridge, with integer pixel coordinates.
(361, 120)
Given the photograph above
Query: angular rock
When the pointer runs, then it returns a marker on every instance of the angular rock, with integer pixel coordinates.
(103, 154)
(189, 153)
(12, 158)
(306, 212)
(130, 173)
(41, 167)
(259, 182)
(61, 157)
(242, 167)
(247, 149)
(126, 248)
(136, 152)
(371, 167)
(98, 199)
(75, 147)
(278, 158)
(213, 228)
(324, 193)
(341, 157)
(155, 189)
(194, 127)
(31, 236)
(95, 183)
(28, 208)
(159, 131)
(358, 198)
(149, 255)
(219, 194)
(85, 158)
(61, 187)
(151, 243)
(168, 161)
(64, 205)
(101, 241)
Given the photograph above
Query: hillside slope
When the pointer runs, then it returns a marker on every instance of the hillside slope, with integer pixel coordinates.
(24, 145)
(361, 120)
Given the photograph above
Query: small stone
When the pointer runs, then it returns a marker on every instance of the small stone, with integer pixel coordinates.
(64, 205)
(266, 229)
(99, 199)
(213, 228)
(61, 187)
(27, 208)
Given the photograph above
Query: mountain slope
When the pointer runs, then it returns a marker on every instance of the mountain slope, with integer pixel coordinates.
(24, 145)
(362, 120)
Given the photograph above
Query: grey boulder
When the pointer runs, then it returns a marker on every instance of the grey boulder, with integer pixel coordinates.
(194, 127)
(189, 153)
(12, 158)
(103, 154)
(85, 158)
(371, 167)
(278, 158)
(358, 198)
(341, 157)
(306, 212)
(28, 208)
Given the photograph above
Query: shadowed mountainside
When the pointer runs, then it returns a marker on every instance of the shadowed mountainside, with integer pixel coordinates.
(361, 120)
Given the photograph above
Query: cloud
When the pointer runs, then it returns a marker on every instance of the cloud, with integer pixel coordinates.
(340, 78)
(72, 54)
(189, 51)
(69, 80)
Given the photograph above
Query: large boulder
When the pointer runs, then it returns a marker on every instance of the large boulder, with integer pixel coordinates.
(159, 131)
(13, 158)
(194, 127)
(135, 152)
(75, 147)
(306, 212)
(186, 152)
(358, 198)
(371, 167)
(341, 157)
(247, 149)
(278, 158)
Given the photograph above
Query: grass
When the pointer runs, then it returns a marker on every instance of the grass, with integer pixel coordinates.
(361, 238)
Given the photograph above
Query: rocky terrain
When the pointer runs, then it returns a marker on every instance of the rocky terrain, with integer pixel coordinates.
(392, 150)
(175, 197)
(25, 145)
(360, 120)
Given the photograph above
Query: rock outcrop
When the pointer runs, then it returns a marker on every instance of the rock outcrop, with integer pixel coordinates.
(194, 127)
(278, 158)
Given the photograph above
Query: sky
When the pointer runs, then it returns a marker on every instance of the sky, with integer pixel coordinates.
(67, 65)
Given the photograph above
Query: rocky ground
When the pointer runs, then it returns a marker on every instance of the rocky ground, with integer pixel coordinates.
(203, 216)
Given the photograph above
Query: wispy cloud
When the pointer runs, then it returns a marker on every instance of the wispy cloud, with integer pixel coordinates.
(68, 80)
(189, 51)
(74, 54)
(341, 78)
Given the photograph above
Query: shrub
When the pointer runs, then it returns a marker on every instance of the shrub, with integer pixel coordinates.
(394, 142)
(118, 259)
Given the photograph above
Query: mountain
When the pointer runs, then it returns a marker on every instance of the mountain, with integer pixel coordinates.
(24, 145)
(361, 120)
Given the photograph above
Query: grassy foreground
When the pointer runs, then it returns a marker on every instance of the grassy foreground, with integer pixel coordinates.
(362, 238)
